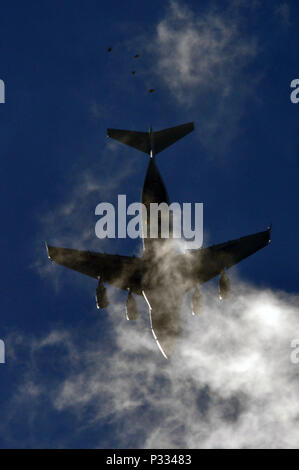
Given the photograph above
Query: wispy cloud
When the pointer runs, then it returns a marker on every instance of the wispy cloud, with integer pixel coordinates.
(71, 222)
(229, 384)
(202, 59)
(199, 53)
(283, 11)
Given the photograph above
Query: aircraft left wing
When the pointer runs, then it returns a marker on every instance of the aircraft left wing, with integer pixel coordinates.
(123, 272)
(205, 263)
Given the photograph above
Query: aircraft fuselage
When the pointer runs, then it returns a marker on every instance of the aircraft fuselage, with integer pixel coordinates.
(162, 287)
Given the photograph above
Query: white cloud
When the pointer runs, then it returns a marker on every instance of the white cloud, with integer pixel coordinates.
(202, 60)
(229, 384)
(197, 53)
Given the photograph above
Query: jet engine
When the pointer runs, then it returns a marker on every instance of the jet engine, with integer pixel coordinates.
(224, 286)
(101, 296)
(131, 307)
(196, 302)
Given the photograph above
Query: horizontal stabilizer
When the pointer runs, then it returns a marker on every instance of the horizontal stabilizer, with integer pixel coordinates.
(167, 137)
(151, 141)
(138, 140)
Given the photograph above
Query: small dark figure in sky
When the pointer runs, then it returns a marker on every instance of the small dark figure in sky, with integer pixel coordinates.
(133, 72)
(151, 90)
(109, 49)
(136, 56)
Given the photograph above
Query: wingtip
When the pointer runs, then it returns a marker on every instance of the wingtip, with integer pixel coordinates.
(269, 232)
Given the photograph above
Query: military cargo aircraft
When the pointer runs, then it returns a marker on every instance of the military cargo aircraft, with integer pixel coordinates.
(161, 275)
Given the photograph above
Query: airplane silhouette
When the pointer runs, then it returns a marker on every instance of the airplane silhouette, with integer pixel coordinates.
(161, 275)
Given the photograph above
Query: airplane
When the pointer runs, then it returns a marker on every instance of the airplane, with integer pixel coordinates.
(161, 275)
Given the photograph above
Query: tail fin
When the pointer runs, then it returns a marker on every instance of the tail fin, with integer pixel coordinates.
(144, 141)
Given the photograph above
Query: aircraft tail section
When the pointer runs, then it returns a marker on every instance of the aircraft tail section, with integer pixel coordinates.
(151, 142)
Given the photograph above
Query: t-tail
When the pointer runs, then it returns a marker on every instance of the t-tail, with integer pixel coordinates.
(151, 142)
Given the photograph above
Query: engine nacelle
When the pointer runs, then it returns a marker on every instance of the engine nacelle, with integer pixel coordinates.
(131, 307)
(101, 296)
(196, 302)
(224, 286)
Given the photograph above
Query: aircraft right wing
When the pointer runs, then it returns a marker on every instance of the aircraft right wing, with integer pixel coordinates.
(123, 272)
(205, 263)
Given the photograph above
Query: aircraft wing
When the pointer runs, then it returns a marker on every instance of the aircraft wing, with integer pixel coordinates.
(206, 263)
(120, 271)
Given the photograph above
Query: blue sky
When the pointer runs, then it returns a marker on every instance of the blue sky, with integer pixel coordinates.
(227, 67)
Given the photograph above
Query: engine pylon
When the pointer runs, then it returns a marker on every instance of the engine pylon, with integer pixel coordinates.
(131, 307)
(224, 286)
(101, 296)
(196, 302)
